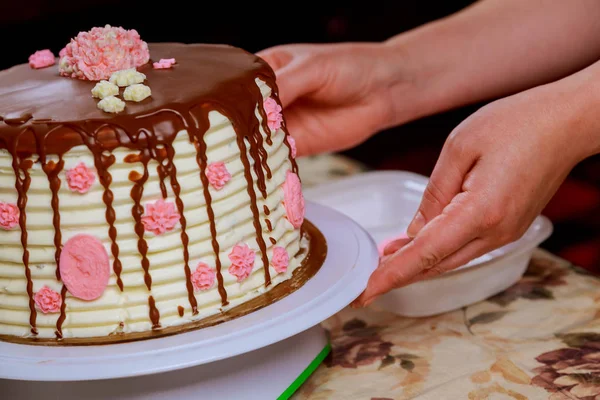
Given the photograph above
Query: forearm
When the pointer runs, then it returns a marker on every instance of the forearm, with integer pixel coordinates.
(491, 49)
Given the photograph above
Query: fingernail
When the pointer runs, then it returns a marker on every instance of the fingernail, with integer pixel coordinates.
(416, 225)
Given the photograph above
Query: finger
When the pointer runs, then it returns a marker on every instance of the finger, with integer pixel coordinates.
(395, 245)
(445, 182)
(469, 252)
(444, 235)
(299, 70)
(277, 57)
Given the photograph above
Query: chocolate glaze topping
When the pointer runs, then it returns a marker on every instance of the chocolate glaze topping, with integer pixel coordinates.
(44, 114)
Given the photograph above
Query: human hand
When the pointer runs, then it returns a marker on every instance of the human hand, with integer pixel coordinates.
(496, 172)
(335, 96)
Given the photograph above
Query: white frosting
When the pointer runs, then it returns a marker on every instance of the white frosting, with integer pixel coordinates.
(85, 213)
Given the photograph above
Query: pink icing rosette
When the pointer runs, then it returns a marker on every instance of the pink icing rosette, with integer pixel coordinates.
(96, 54)
(47, 300)
(292, 143)
(293, 199)
(81, 178)
(203, 278)
(242, 261)
(84, 267)
(280, 260)
(217, 174)
(273, 111)
(41, 59)
(160, 217)
(9, 215)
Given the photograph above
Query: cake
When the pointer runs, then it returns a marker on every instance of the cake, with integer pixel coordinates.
(144, 188)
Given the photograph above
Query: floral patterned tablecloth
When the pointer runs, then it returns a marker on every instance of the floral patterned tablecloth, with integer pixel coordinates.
(539, 339)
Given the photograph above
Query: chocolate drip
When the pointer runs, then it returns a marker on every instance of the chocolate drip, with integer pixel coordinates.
(137, 211)
(266, 209)
(154, 314)
(102, 164)
(172, 171)
(269, 226)
(196, 130)
(63, 314)
(180, 310)
(52, 170)
(22, 183)
(275, 91)
(273, 241)
(254, 208)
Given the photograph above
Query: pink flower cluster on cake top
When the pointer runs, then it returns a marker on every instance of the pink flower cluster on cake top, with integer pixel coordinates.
(96, 54)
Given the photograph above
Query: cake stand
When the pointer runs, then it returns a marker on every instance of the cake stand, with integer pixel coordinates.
(263, 355)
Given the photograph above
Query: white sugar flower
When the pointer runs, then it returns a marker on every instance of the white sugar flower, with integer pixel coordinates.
(136, 92)
(111, 104)
(104, 89)
(127, 77)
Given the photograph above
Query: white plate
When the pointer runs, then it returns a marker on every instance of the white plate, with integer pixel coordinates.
(384, 203)
(352, 256)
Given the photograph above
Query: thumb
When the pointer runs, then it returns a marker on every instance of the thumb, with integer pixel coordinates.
(298, 68)
(444, 184)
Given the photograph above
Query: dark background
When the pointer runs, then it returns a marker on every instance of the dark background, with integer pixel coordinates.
(27, 26)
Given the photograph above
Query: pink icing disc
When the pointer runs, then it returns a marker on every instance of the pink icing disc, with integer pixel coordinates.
(84, 267)
(293, 199)
(242, 261)
(47, 300)
(280, 260)
(9, 215)
(292, 143)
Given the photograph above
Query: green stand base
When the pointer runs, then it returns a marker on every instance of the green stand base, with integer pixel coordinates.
(305, 374)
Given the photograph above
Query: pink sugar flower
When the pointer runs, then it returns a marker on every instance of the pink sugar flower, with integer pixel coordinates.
(41, 59)
(280, 260)
(293, 199)
(217, 174)
(160, 217)
(292, 143)
(47, 300)
(242, 261)
(81, 178)
(96, 54)
(203, 278)
(273, 111)
(9, 215)
(164, 63)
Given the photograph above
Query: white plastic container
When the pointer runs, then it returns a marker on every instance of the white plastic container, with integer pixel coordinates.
(384, 202)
